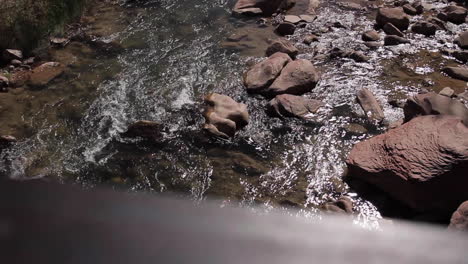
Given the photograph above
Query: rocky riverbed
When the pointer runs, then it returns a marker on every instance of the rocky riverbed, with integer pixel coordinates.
(355, 107)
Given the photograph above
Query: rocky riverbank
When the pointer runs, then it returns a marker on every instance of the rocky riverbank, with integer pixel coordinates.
(287, 94)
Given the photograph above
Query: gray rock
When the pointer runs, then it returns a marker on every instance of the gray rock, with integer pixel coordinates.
(424, 28)
(390, 29)
(292, 19)
(310, 38)
(410, 10)
(454, 14)
(462, 40)
(370, 105)
(371, 35)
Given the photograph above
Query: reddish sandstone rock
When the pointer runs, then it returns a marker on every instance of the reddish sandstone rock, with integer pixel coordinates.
(298, 77)
(422, 163)
(223, 115)
(46, 72)
(370, 105)
(287, 105)
(264, 73)
(396, 16)
(282, 45)
(459, 220)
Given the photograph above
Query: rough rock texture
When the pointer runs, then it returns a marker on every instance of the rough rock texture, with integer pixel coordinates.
(460, 73)
(292, 19)
(223, 115)
(298, 77)
(371, 35)
(396, 16)
(258, 7)
(392, 40)
(424, 28)
(45, 73)
(310, 38)
(462, 40)
(285, 28)
(422, 163)
(264, 73)
(287, 105)
(148, 130)
(454, 14)
(390, 29)
(370, 105)
(459, 220)
(434, 104)
(282, 45)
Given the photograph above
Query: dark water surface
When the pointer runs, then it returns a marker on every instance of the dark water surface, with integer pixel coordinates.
(176, 52)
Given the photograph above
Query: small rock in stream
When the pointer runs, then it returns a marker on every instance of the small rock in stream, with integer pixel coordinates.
(285, 28)
(282, 45)
(262, 74)
(292, 19)
(4, 83)
(459, 220)
(460, 73)
(390, 29)
(454, 14)
(45, 73)
(6, 141)
(396, 16)
(310, 38)
(410, 10)
(370, 105)
(287, 105)
(462, 40)
(424, 28)
(371, 35)
(148, 130)
(224, 116)
(392, 40)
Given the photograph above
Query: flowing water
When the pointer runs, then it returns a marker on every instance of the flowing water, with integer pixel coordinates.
(176, 51)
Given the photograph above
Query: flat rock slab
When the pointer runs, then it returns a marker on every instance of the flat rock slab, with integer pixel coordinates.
(223, 115)
(287, 105)
(422, 163)
(262, 75)
(45, 73)
(298, 77)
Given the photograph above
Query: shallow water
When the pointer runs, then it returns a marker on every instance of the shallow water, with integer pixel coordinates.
(176, 52)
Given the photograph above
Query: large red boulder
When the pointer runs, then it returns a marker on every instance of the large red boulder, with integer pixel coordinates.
(297, 77)
(423, 163)
(262, 75)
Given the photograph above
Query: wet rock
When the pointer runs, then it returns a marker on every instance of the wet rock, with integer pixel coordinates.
(373, 44)
(418, 6)
(224, 116)
(454, 14)
(12, 54)
(292, 19)
(354, 55)
(462, 40)
(356, 129)
(45, 73)
(461, 55)
(410, 10)
(437, 22)
(4, 83)
(390, 29)
(370, 105)
(459, 220)
(29, 61)
(264, 73)
(396, 16)
(459, 73)
(344, 205)
(447, 91)
(282, 45)
(6, 141)
(16, 63)
(308, 18)
(422, 163)
(310, 38)
(286, 105)
(148, 130)
(298, 77)
(371, 35)
(424, 28)
(392, 40)
(59, 42)
(259, 7)
(396, 103)
(434, 104)
(285, 28)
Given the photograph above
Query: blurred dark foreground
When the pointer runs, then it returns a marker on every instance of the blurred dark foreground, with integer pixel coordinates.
(45, 223)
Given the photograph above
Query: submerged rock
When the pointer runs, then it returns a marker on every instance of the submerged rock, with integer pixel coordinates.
(454, 14)
(392, 40)
(45, 73)
(298, 77)
(344, 205)
(459, 73)
(371, 35)
(224, 116)
(422, 163)
(282, 45)
(310, 38)
(6, 141)
(396, 16)
(370, 105)
(148, 130)
(461, 55)
(287, 105)
(264, 73)
(459, 220)
(462, 40)
(4, 83)
(434, 104)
